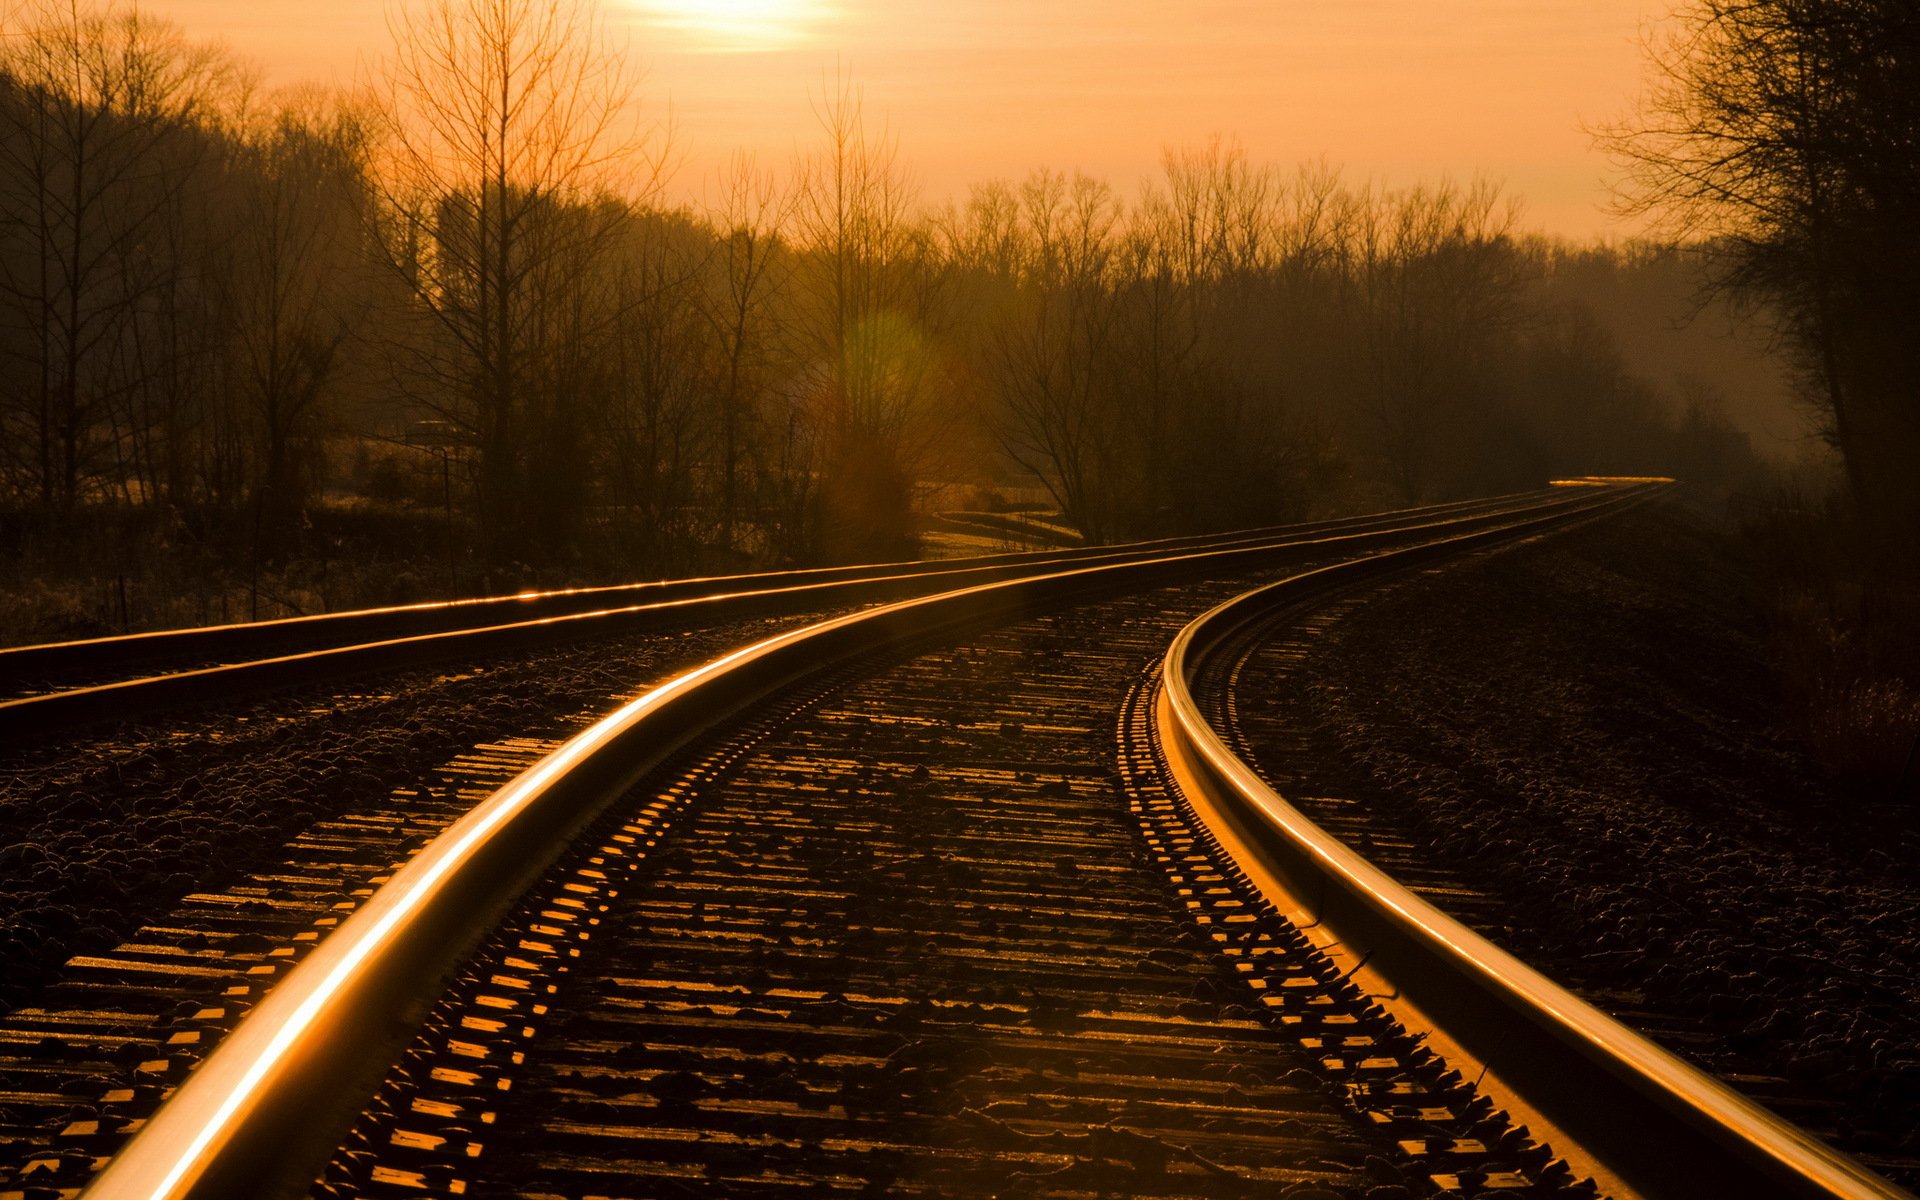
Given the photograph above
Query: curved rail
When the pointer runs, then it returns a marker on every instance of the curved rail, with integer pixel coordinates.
(53, 662)
(1647, 1119)
(233, 1126)
(75, 707)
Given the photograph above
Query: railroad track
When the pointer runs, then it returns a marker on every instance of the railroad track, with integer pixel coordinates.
(1231, 687)
(63, 686)
(921, 925)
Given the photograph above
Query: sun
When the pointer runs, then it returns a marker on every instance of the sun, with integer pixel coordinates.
(737, 25)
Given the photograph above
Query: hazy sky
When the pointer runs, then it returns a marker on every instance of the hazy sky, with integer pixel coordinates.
(1396, 90)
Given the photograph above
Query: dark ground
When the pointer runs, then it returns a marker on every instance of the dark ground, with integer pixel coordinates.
(1589, 726)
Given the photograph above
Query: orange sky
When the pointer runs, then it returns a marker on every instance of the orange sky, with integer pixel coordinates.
(1391, 89)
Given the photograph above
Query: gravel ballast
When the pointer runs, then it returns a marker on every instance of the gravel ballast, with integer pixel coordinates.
(1586, 726)
(102, 831)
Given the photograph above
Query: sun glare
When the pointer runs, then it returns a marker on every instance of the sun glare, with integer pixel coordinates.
(732, 25)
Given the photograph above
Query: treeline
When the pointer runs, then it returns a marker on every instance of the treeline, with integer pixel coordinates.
(456, 308)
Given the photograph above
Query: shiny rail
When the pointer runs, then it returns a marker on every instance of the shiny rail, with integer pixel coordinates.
(679, 602)
(1629, 1111)
(55, 665)
(241, 1123)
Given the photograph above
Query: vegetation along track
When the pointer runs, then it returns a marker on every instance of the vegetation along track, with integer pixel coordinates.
(62, 686)
(92, 1132)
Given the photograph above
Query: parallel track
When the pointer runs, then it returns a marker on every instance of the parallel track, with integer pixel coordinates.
(64, 686)
(1295, 763)
(82, 1067)
(1240, 686)
(887, 943)
(58, 666)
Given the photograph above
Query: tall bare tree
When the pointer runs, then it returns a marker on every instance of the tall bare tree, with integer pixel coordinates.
(1783, 134)
(1051, 353)
(751, 271)
(872, 303)
(657, 406)
(298, 290)
(500, 115)
(101, 107)
(1434, 278)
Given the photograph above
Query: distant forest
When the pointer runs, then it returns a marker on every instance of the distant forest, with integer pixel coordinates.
(266, 355)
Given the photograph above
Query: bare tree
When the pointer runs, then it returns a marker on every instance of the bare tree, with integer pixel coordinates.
(752, 269)
(98, 103)
(500, 115)
(1050, 354)
(298, 290)
(1782, 134)
(1434, 278)
(1160, 294)
(1215, 210)
(656, 357)
(872, 300)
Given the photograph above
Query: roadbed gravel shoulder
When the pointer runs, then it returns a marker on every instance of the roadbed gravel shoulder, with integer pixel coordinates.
(1587, 727)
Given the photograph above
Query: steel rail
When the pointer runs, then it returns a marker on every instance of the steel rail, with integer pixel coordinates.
(1636, 1113)
(56, 661)
(77, 707)
(229, 1132)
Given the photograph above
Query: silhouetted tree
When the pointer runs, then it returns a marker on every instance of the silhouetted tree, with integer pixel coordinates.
(1783, 132)
(872, 301)
(102, 111)
(659, 404)
(752, 269)
(585, 383)
(502, 116)
(298, 292)
(1051, 353)
(1434, 279)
